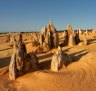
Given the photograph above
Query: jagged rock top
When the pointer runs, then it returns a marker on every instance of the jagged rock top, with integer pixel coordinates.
(43, 30)
(51, 27)
(69, 29)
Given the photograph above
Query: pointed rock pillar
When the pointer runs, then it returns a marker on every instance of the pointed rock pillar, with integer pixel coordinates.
(54, 38)
(71, 39)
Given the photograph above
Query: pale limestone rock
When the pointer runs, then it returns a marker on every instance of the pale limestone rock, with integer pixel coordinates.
(85, 41)
(69, 30)
(64, 34)
(86, 32)
(12, 38)
(12, 68)
(42, 35)
(60, 60)
(35, 37)
(71, 34)
(80, 44)
(47, 40)
(21, 63)
(17, 61)
(80, 32)
(54, 38)
(41, 39)
(57, 60)
(71, 41)
(43, 31)
(77, 39)
(49, 37)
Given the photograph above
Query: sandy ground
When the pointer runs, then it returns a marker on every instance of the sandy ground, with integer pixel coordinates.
(77, 76)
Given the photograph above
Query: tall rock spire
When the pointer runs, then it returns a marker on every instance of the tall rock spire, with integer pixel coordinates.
(69, 29)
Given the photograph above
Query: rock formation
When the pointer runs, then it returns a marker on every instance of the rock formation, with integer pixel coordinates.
(71, 39)
(77, 39)
(12, 68)
(12, 38)
(16, 63)
(42, 35)
(44, 31)
(86, 32)
(21, 62)
(57, 60)
(65, 38)
(49, 37)
(60, 60)
(73, 36)
(35, 37)
(54, 39)
(69, 30)
(85, 40)
(35, 41)
(31, 62)
(47, 42)
(80, 32)
(94, 31)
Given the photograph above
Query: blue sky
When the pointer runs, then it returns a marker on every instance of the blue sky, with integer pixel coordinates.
(31, 15)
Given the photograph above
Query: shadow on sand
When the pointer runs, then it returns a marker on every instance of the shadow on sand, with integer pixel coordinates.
(6, 49)
(4, 62)
(45, 65)
(78, 55)
(90, 41)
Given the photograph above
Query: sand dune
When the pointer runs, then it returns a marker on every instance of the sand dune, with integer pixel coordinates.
(77, 76)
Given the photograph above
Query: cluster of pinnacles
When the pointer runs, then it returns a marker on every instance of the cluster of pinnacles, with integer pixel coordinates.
(49, 37)
(22, 62)
(72, 37)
